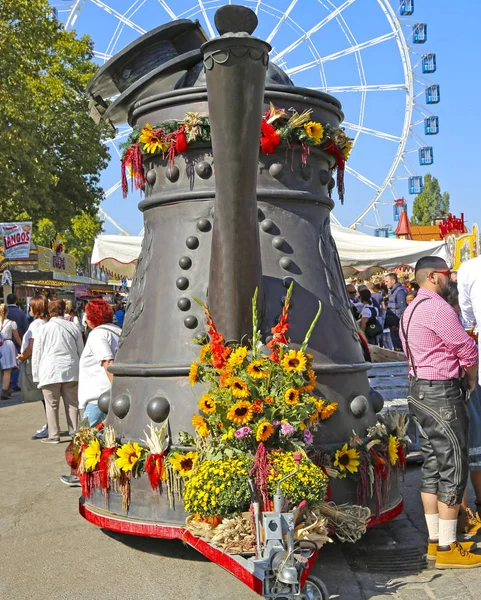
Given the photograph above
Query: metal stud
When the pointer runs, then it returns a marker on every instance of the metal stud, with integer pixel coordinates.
(121, 406)
(278, 242)
(172, 173)
(151, 176)
(182, 283)
(359, 406)
(286, 262)
(267, 225)
(191, 322)
(158, 409)
(203, 225)
(183, 304)
(331, 184)
(185, 262)
(192, 242)
(275, 169)
(202, 337)
(324, 176)
(286, 281)
(203, 169)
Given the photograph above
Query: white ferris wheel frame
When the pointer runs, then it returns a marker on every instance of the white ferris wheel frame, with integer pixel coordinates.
(74, 7)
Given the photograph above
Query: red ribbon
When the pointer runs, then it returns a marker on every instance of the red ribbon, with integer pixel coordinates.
(154, 467)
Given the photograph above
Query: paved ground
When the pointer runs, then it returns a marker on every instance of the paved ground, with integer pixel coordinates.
(47, 550)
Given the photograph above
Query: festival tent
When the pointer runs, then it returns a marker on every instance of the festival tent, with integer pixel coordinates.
(361, 254)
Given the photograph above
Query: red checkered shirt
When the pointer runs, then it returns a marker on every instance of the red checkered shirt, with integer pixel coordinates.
(440, 346)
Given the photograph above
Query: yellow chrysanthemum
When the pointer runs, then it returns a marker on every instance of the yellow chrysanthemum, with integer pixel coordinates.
(347, 459)
(241, 413)
(229, 435)
(328, 410)
(92, 455)
(183, 463)
(152, 140)
(193, 373)
(256, 370)
(294, 361)
(239, 388)
(200, 425)
(393, 449)
(207, 404)
(128, 455)
(315, 131)
(204, 351)
(264, 431)
(291, 397)
(237, 357)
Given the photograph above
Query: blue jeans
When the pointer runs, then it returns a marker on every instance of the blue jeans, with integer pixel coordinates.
(14, 379)
(93, 414)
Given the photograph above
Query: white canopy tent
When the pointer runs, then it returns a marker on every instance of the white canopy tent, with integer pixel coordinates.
(361, 255)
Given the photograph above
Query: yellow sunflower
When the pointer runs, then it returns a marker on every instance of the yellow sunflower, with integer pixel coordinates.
(204, 351)
(264, 431)
(239, 388)
(393, 449)
(92, 455)
(152, 140)
(193, 373)
(347, 459)
(241, 413)
(128, 455)
(207, 404)
(315, 131)
(183, 463)
(291, 397)
(200, 425)
(346, 151)
(256, 371)
(328, 410)
(312, 382)
(294, 361)
(237, 357)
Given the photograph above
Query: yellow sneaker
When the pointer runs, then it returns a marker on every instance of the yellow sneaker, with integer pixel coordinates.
(433, 548)
(468, 523)
(457, 558)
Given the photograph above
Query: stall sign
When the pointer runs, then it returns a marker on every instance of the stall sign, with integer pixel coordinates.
(16, 239)
(55, 260)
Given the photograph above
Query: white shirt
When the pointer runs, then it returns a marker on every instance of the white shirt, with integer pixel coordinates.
(7, 328)
(469, 289)
(101, 345)
(31, 332)
(56, 352)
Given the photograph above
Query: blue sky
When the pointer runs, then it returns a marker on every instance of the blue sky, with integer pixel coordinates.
(453, 34)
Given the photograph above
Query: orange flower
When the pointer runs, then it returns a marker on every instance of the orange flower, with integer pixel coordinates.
(329, 410)
(225, 377)
(268, 400)
(257, 406)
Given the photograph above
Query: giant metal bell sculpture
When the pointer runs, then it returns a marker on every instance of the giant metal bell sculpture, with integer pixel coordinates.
(219, 222)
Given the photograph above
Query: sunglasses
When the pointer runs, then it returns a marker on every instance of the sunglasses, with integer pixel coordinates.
(445, 272)
(351, 292)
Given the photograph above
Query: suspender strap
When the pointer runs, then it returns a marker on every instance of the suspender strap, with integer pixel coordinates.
(405, 334)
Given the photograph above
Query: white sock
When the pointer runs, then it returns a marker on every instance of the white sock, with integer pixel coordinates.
(432, 521)
(447, 531)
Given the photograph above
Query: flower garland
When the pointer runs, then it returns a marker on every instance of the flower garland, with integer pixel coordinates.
(278, 126)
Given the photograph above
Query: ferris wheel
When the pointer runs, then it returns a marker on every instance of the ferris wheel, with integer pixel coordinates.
(365, 52)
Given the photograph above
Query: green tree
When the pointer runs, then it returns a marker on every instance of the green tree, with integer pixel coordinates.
(51, 153)
(430, 204)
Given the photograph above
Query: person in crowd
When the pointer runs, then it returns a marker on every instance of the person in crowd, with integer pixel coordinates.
(352, 295)
(414, 287)
(386, 341)
(17, 315)
(397, 304)
(370, 325)
(410, 297)
(119, 315)
(98, 355)
(55, 368)
(376, 294)
(70, 314)
(443, 363)
(454, 276)
(39, 312)
(8, 361)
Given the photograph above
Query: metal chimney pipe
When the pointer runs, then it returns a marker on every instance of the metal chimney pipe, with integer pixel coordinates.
(235, 66)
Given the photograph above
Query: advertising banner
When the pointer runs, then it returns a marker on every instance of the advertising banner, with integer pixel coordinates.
(16, 239)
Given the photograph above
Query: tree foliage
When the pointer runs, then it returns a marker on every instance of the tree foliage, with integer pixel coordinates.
(51, 153)
(430, 204)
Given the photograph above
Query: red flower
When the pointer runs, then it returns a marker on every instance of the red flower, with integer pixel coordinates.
(269, 138)
(257, 406)
(181, 143)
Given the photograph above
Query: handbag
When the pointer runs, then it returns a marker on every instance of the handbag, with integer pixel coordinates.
(30, 392)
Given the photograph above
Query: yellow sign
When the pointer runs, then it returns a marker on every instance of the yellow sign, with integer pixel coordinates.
(55, 259)
(463, 248)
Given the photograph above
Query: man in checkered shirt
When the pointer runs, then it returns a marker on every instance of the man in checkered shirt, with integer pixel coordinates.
(443, 363)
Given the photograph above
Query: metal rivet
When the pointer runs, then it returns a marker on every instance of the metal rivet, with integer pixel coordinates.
(276, 169)
(203, 169)
(286, 281)
(260, 214)
(202, 337)
(286, 262)
(191, 322)
(158, 409)
(267, 225)
(121, 406)
(305, 173)
(331, 184)
(203, 225)
(359, 406)
(151, 176)
(104, 402)
(192, 242)
(182, 283)
(269, 338)
(172, 173)
(185, 262)
(183, 304)
(324, 176)
(278, 242)
(375, 398)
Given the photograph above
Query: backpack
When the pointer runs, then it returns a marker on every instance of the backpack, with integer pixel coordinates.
(391, 319)
(373, 327)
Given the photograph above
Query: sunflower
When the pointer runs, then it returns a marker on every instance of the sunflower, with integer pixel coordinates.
(328, 410)
(347, 459)
(183, 463)
(294, 361)
(193, 373)
(264, 431)
(225, 376)
(200, 425)
(152, 139)
(237, 357)
(92, 455)
(346, 151)
(204, 351)
(128, 455)
(255, 370)
(312, 382)
(315, 131)
(291, 397)
(393, 449)
(207, 404)
(238, 388)
(241, 413)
